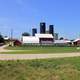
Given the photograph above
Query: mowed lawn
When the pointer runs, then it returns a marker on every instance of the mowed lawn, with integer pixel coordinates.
(47, 69)
(41, 50)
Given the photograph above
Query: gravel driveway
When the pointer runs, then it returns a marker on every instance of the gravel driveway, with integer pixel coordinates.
(33, 56)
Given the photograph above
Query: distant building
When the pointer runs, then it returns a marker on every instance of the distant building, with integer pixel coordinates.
(76, 42)
(17, 43)
(6, 38)
(63, 42)
(44, 37)
(47, 31)
(38, 39)
(34, 31)
(51, 29)
(56, 36)
(43, 28)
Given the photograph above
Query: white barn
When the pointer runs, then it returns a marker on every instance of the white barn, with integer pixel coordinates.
(38, 38)
(30, 39)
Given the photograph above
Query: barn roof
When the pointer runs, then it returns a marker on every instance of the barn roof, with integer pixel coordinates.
(76, 40)
(44, 35)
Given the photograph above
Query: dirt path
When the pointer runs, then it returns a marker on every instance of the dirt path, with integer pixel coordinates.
(2, 48)
(35, 56)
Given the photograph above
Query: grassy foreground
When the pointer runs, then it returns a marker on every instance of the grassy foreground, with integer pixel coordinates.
(32, 50)
(49, 69)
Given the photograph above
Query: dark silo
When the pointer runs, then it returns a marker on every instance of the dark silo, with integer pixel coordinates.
(56, 36)
(42, 27)
(51, 29)
(34, 31)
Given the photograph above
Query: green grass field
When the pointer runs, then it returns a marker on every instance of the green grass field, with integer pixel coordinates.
(47, 69)
(35, 50)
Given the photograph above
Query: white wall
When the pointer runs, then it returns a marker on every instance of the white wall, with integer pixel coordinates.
(30, 39)
(35, 39)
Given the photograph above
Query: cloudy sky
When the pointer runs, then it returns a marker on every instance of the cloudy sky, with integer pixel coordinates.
(23, 15)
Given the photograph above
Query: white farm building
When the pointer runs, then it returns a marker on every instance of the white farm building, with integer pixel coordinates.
(38, 38)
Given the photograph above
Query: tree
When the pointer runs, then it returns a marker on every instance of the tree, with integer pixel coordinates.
(25, 34)
(1, 39)
(61, 38)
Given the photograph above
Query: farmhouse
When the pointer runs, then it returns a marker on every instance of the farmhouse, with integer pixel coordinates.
(76, 42)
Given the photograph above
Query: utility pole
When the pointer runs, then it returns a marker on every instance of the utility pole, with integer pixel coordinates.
(11, 34)
(11, 38)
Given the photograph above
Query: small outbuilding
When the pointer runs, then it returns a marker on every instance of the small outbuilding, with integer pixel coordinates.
(76, 42)
(62, 42)
(17, 43)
